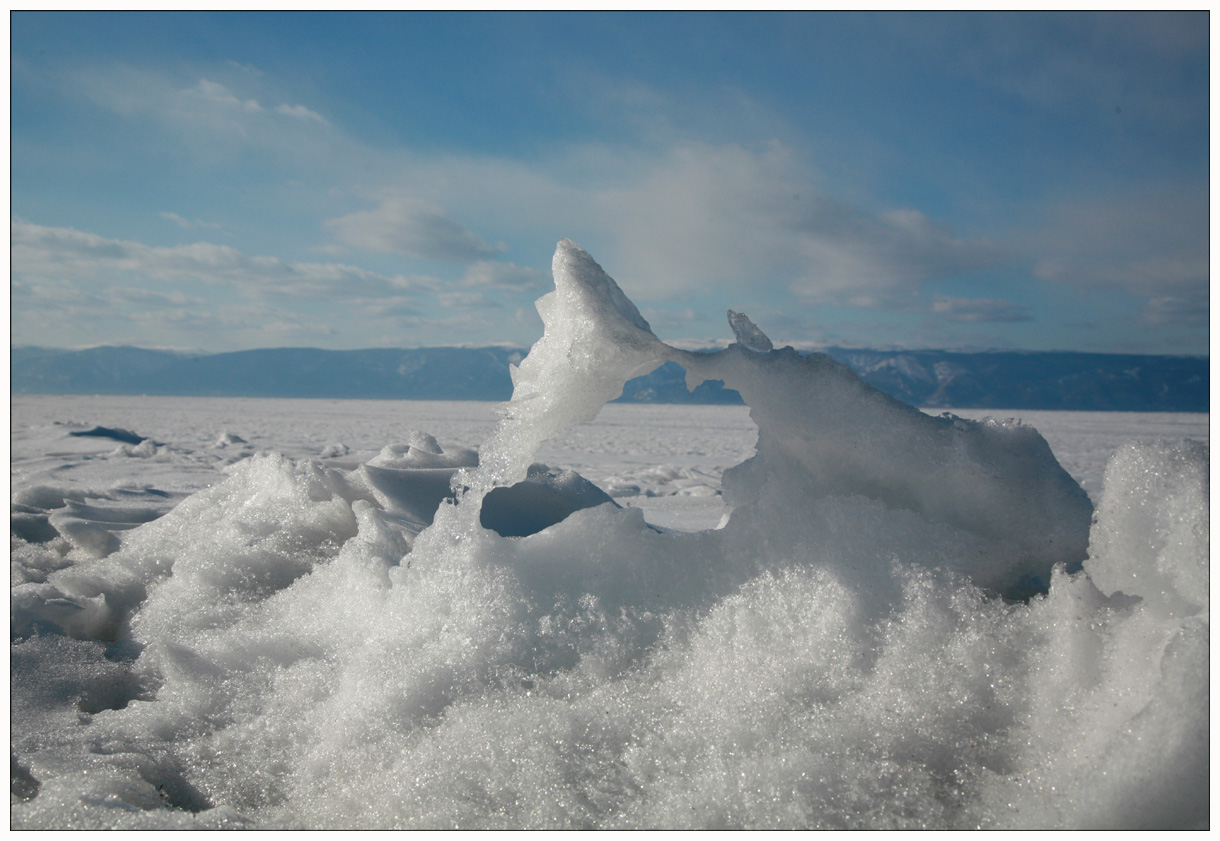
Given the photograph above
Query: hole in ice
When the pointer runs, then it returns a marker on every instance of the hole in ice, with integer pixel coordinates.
(666, 459)
(543, 499)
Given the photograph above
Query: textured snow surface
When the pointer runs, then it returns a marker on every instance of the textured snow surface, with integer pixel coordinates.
(822, 610)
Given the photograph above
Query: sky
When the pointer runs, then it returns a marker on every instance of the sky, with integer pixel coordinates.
(226, 181)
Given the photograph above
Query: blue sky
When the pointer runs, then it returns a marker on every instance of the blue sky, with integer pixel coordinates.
(230, 181)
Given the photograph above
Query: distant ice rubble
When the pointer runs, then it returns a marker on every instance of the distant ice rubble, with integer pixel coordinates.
(904, 621)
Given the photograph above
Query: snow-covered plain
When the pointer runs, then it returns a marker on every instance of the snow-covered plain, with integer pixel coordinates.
(246, 620)
(663, 458)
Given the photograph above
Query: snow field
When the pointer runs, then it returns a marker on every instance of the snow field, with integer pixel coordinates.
(904, 621)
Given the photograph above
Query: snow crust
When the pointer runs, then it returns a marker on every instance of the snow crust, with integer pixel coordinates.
(902, 621)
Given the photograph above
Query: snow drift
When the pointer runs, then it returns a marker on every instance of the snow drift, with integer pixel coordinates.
(904, 621)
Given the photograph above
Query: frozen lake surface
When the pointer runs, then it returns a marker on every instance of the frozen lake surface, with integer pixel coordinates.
(673, 454)
(664, 459)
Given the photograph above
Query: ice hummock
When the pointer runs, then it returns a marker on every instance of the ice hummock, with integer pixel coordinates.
(747, 333)
(823, 432)
(307, 646)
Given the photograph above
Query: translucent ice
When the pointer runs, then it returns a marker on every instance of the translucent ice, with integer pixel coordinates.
(595, 340)
(823, 432)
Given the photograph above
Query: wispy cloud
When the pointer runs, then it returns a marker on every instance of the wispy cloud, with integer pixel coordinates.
(405, 225)
(330, 249)
(300, 112)
(47, 252)
(1178, 312)
(727, 216)
(1115, 62)
(216, 94)
(243, 326)
(1151, 243)
(73, 283)
(183, 222)
(212, 119)
(139, 296)
(467, 300)
(976, 310)
(486, 274)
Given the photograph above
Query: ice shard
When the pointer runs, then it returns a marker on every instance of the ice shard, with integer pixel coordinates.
(747, 332)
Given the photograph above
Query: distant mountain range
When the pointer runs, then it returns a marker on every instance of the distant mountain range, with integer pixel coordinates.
(929, 378)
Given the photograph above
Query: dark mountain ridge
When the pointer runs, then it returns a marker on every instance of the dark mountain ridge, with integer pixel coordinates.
(928, 378)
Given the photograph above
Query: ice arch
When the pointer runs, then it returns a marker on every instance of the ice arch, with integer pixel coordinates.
(823, 432)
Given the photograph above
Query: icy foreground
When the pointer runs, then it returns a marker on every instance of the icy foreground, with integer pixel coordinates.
(856, 646)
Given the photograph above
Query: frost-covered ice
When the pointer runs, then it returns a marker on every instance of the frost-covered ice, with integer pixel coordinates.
(242, 617)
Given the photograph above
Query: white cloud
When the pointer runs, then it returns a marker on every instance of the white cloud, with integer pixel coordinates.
(181, 318)
(297, 327)
(338, 280)
(64, 252)
(245, 326)
(183, 222)
(330, 249)
(467, 300)
(214, 93)
(977, 310)
(405, 225)
(1177, 312)
(494, 275)
(389, 307)
(1150, 242)
(39, 291)
(176, 219)
(136, 295)
(728, 217)
(300, 112)
(213, 120)
(72, 286)
(670, 223)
